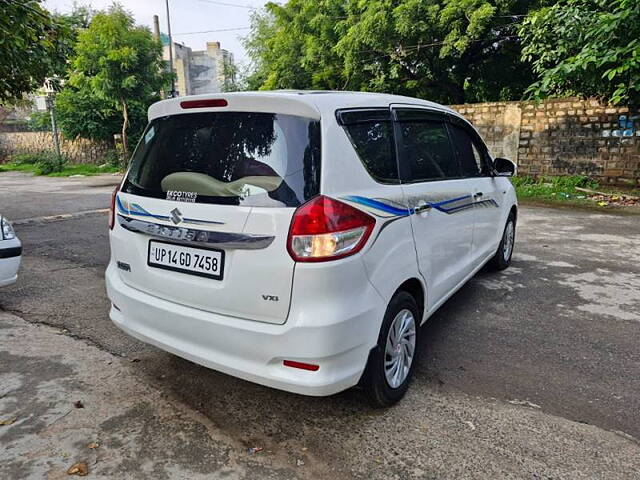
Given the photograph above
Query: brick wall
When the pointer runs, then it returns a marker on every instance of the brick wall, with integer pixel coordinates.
(76, 150)
(562, 137)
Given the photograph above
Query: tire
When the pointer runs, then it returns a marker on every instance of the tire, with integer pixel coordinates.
(502, 258)
(382, 391)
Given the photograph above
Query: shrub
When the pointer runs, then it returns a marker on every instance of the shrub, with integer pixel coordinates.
(48, 162)
(112, 159)
(24, 158)
(39, 121)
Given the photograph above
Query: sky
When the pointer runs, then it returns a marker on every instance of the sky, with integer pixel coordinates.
(186, 16)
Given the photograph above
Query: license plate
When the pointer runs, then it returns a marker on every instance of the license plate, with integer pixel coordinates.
(194, 261)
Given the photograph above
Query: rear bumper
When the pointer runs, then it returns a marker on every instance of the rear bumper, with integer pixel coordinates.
(253, 350)
(10, 257)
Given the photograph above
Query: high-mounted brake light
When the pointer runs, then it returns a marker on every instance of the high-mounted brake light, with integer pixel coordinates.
(112, 208)
(326, 229)
(204, 103)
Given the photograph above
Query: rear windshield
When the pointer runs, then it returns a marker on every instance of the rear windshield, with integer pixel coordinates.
(230, 158)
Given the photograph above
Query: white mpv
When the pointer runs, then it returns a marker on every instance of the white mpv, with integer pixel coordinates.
(10, 253)
(299, 239)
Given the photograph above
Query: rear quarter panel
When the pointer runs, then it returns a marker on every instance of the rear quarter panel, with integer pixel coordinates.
(389, 257)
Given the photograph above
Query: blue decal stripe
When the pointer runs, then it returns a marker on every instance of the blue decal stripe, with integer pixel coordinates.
(135, 209)
(461, 207)
(379, 205)
(445, 202)
(139, 211)
(444, 206)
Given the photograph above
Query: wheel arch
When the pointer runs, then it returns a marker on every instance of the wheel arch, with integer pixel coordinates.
(416, 288)
(514, 210)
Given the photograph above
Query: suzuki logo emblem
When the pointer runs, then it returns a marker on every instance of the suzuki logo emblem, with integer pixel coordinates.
(176, 216)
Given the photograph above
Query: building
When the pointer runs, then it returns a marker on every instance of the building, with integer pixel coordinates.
(203, 71)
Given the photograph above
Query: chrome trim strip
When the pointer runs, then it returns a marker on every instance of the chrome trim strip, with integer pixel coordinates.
(191, 236)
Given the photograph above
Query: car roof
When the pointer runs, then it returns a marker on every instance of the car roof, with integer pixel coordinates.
(311, 103)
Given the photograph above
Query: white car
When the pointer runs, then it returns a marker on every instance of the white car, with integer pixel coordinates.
(299, 239)
(10, 253)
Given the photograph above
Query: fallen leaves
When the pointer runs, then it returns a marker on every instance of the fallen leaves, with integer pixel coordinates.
(604, 199)
(93, 445)
(615, 200)
(81, 469)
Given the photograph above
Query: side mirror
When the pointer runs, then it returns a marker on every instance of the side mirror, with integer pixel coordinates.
(504, 167)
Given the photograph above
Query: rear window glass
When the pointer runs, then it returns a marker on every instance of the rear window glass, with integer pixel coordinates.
(231, 158)
(371, 134)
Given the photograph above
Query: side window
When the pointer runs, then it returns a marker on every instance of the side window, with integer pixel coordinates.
(468, 155)
(371, 134)
(427, 153)
(471, 152)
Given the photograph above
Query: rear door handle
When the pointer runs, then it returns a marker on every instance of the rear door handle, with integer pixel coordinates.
(477, 195)
(422, 208)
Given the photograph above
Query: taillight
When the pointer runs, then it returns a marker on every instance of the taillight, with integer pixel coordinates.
(327, 229)
(112, 208)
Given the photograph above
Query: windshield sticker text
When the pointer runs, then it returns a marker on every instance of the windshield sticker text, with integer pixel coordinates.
(178, 196)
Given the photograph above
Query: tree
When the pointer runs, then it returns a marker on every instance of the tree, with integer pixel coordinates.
(33, 45)
(586, 48)
(82, 114)
(451, 51)
(118, 63)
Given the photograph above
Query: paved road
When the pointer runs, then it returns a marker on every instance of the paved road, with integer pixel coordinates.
(559, 332)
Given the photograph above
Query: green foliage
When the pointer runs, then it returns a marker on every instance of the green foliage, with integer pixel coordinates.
(81, 114)
(85, 169)
(41, 163)
(552, 188)
(24, 158)
(232, 81)
(49, 164)
(39, 121)
(112, 160)
(450, 51)
(586, 48)
(26, 48)
(118, 67)
(35, 44)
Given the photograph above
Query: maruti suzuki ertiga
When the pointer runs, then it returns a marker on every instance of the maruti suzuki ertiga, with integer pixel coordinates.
(300, 239)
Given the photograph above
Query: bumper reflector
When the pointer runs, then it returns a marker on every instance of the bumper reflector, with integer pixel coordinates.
(303, 366)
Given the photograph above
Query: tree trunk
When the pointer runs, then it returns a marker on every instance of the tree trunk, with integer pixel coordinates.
(125, 126)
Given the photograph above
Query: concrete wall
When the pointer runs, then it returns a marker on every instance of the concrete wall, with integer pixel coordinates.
(77, 150)
(203, 71)
(200, 71)
(562, 137)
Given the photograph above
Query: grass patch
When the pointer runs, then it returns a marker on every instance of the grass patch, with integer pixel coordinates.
(51, 166)
(83, 169)
(16, 167)
(563, 190)
(553, 188)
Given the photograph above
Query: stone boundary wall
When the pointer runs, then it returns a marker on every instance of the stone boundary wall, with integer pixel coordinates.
(562, 137)
(76, 150)
(555, 137)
